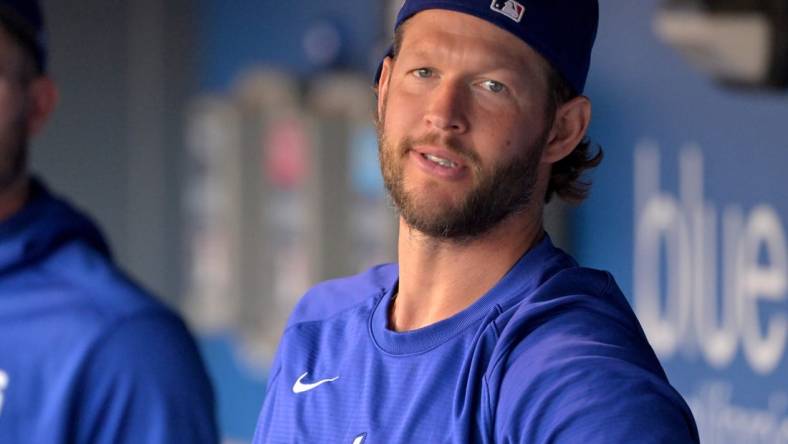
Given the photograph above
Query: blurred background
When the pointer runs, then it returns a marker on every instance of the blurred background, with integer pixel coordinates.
(227, 150)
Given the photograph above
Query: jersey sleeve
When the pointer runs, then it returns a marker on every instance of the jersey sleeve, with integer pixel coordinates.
(269, 403)
(144, 382)
(591, 383)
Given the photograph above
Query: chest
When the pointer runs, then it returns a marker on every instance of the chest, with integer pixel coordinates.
(355, 393)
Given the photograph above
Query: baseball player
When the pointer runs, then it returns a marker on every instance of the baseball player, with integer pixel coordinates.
(483, 331)
(86, 356)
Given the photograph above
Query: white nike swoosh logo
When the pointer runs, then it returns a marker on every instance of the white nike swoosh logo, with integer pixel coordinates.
(360, 439)
(300, 387)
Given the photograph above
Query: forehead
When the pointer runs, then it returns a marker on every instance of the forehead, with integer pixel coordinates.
(439, 31)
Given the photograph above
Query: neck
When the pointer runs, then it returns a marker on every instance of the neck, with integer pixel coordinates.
(439, 278)
(14, 196)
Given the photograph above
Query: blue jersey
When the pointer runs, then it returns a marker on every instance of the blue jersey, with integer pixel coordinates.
(552, 354)
(85, 355)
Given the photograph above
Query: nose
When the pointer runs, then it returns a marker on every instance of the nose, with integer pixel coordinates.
(446, 108)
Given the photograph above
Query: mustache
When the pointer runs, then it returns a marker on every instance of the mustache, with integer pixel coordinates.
(451, 144)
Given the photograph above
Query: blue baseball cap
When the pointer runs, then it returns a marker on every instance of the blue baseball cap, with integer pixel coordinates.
(24, 19)
(562, 31)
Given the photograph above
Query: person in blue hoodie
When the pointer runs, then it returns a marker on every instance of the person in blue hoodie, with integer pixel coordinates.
(86, 355)
(484, 331)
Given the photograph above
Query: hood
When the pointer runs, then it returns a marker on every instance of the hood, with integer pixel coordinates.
(41, 226)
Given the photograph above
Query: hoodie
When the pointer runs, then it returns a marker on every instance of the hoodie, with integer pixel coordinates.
(86, 355)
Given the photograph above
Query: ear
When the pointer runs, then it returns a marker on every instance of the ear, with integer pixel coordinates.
(383, 84)
(569, 128)
(43, 97)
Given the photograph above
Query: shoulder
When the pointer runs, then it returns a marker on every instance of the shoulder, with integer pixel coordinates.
(88, 279)
(130, 325)
(139, 371)
(329, 298)
(154, 345)
(120, 325)
(84, 295)
(330, 312)
(578, 312)
(144, 381)
(576, 366)
(579, 280)
(106, 318)
(574, 295)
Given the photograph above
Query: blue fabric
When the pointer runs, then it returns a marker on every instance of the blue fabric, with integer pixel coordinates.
(562, 31)
(86, 356)
(552, 354)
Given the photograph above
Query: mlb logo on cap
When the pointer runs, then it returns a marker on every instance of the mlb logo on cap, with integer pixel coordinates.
(509, 8)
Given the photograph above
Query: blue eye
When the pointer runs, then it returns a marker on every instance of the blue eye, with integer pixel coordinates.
(493, 86)
(423, 73)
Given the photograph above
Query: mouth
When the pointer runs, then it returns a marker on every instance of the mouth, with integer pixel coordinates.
(441, 157)
(439, 162)
(445, 163)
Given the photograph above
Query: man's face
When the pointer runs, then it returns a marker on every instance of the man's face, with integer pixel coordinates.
(462, 125)
(13, 111)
